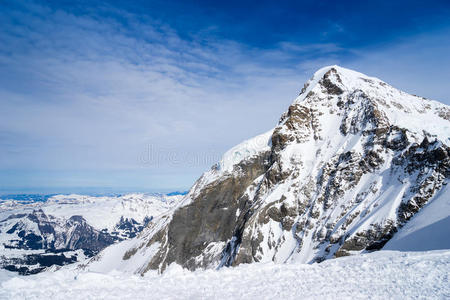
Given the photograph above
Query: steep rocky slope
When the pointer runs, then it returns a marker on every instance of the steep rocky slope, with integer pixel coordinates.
(428, 229)
(349, 163)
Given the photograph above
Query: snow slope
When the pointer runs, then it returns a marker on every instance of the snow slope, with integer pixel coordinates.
(429, 229)
(380, 275)
(226, 166)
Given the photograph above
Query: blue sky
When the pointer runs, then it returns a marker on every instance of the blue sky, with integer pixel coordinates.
(146, 95)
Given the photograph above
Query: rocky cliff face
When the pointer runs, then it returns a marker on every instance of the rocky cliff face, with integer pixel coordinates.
(350, 162)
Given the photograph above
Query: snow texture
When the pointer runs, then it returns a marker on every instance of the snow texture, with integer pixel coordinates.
(429, 229)
(380, 275)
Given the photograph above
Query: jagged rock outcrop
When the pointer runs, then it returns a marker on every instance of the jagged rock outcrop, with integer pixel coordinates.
(37, 230)
(350, 162)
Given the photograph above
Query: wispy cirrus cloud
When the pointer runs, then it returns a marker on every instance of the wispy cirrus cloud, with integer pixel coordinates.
(88, 92)
(82, 92)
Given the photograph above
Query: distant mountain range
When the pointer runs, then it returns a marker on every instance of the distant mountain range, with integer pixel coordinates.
(41, 231)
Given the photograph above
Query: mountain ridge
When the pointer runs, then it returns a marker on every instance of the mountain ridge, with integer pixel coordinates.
(347, 165)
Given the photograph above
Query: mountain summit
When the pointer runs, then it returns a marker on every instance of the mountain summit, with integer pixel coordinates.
(348, 165)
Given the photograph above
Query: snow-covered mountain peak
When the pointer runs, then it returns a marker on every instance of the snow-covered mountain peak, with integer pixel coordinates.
(338, 95)
(349, 163)
(335, 80)
(339, 98)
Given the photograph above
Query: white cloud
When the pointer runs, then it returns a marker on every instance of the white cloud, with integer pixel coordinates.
(89, 93)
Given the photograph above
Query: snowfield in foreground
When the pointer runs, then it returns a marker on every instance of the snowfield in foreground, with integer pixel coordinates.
(379, 275)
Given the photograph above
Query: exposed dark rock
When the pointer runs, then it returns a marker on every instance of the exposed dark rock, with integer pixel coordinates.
(372, 239)
(210, 218)
(330, 87)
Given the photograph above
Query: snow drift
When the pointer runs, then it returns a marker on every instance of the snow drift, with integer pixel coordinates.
(380, 275)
